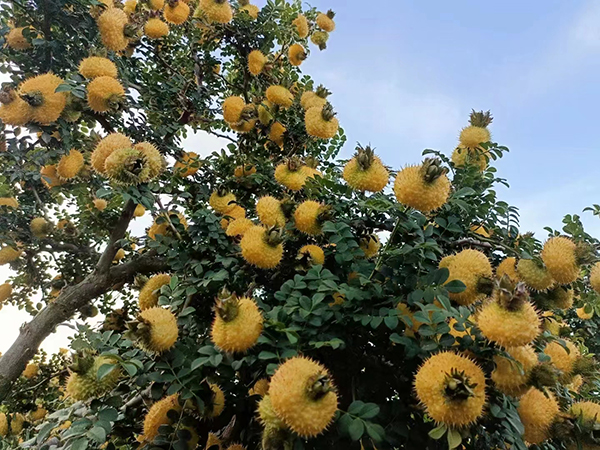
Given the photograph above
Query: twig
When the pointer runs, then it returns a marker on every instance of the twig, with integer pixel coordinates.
(166, 214)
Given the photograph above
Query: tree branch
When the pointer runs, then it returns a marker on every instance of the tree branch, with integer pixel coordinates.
(70, 300)
(118, 232)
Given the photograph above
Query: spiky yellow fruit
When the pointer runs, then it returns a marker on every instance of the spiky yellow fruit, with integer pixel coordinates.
(366, 173)
(562, 297)
(307, 217)
(222, 204)
(139, 211)
(595, 277)
(508, 267)
(162, 227)
(509, 328)
(251, 10)
(301, 25)
(156, 5)
(16, 40)
(256, 62)
(321, 122)
(119, 255)
(100, 204)
(188, 165)
(127, 166)
(588, 413)
(370, 245)
(70, 165)
(49, 176)
(150, 292)
(560, 358)
(451, 387)
(213, 442)
(303, 396)
(583, 315)
(238, 227)
(311, 99)
(156, 28)
(261, 387)
(45, 104)
(279, 95)
(105, 94)
(176, 13)
(111, 24)
(236, 447)
(232, 109)
(537, 411)
(244, 170)
(471, 267)
(17, 421)
(217, 11)
(296, 54)
(10, 202)
(290, 176)
(462, 157)
(130, 6)
(9, 254)
(269, 212)
(163, 331)
(313, 253)
(240, 332)
(576, 383)
(217, 405)
(259, 249)
(413, 189)
(153, 158)
(559, 256)
(267, 415)
(534, 275)
(4, 427)
(14, 110)
(320, 38)
(276, 133)
(473, 136)
(40, 227)
(509, 377)
(157, 416)
(38, 414)
(83, 386)
(95, 66)
(105, 147)
(31, 371)
(5, 292)
(325, 21)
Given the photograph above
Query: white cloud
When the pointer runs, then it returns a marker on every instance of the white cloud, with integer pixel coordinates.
(203, 143)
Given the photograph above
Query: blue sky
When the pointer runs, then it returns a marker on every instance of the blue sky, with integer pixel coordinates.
(405, 75)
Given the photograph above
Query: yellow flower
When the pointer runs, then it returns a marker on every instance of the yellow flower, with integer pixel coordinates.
(256, 62)
(303, 396)
(279, 95)
(70, 165)
(452, 389)
(156, 28)
(296, 54)
(188, 165)
(111, 24)
(100, 204)
(415, 188)
(321, 122)
(176, 13)
(301, 25)
(45, 105)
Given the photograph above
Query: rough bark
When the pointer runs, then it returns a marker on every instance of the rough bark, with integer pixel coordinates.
(72, 298)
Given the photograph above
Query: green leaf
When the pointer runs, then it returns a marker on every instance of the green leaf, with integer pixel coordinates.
(355, 407)
(104, 370)
(375, 431)
(130, 368)
(454, 439)
(438, 432)
(356, 429)
(455, 286)
(80, 444)
(109, 415)
(267, 355)
(368, 411)
(98, 434)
